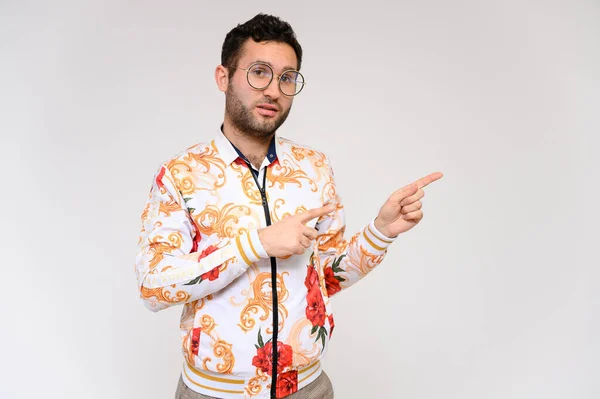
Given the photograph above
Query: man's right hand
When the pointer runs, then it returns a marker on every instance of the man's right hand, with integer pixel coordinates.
(291, 235)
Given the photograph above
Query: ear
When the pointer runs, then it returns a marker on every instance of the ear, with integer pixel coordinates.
(222, 78)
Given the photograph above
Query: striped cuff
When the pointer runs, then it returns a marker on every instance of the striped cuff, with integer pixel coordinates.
(250, 247)
(376, 240)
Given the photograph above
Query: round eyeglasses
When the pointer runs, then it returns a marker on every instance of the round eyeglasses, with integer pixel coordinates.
(260, 76)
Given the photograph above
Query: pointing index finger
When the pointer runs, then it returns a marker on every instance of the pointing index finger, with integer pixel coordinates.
(424, 181)
(309, 215)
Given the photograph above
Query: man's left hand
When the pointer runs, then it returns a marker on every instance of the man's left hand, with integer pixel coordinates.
(402, 211)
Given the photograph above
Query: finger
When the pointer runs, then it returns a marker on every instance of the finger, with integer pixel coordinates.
(309, 215)
(416, 215)
(310, 233)
(299, 249)
(422, 182)
(305, 242)
(412, 188)
(415, 206)
(404, 192)
(409, 200)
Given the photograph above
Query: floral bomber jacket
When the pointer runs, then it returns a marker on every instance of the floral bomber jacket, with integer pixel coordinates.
(251, 325)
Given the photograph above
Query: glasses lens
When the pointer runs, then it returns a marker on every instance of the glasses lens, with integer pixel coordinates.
(259, 76)
(291, 83)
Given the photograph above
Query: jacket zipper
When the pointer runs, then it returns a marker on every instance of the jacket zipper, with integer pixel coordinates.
(265, 205)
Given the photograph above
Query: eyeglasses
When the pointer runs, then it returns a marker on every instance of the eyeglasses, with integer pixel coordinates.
(260, 76)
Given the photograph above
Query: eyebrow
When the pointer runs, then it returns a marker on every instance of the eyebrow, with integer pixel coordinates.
(285, 68)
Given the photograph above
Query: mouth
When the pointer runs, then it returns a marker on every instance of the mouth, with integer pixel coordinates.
(267, 109)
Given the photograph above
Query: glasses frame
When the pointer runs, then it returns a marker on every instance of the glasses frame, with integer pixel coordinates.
(273, 74)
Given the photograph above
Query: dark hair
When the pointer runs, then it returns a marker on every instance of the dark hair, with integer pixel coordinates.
(260, 28)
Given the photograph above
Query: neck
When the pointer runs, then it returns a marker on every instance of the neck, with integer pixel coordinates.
(254, 148)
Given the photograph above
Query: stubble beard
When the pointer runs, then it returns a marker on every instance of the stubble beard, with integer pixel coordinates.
(244, 121)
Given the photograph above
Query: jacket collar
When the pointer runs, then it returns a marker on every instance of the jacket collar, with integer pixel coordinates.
(229, 153)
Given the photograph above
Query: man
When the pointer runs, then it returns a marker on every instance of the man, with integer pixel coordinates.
(246, 231)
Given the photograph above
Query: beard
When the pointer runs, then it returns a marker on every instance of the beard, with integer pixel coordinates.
(246, 122)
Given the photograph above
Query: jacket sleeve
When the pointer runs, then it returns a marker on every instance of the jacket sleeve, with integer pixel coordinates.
(345, 262)
(174, 263)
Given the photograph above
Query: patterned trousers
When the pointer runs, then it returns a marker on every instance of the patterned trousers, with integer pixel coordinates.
(321, 388)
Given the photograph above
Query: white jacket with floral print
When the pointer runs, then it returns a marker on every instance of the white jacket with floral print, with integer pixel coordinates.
(199, 248)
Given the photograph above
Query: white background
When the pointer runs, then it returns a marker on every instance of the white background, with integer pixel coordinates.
(493, 295)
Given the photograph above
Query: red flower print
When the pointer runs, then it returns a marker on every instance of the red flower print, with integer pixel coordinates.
(240, 161)
(211, 275)
(264, 357)
(197, 238)
(207, 251)
(312, 278)
(331, 324)
(315, 308)
(285, 355)
(332, 283)
(195, 342)
(287, 384)
(159, 177)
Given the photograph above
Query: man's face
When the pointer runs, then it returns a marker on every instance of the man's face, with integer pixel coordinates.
(249, 109)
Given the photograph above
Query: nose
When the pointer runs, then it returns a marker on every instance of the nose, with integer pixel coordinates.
(272, 90)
